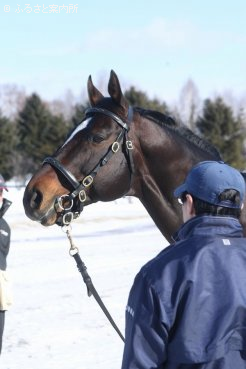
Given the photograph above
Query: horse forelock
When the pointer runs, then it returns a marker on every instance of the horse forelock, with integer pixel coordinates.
(166, 121)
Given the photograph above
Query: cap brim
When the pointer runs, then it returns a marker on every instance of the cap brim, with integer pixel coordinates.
(179, 190)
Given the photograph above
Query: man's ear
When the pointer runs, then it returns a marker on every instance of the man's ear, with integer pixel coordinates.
(190, 205)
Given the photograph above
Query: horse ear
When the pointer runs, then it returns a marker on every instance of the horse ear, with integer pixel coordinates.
(94, 94)
(114, 90)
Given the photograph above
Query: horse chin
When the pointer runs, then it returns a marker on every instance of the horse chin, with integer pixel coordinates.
(49, 218)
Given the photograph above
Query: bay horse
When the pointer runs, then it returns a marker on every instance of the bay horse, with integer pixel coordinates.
(117, 151)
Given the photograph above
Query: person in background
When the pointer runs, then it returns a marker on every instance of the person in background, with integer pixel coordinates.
(187, 306)
(5, 298)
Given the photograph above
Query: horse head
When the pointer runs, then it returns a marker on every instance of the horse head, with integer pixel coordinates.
(94, 163)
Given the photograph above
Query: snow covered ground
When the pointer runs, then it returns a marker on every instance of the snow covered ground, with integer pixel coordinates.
(53, 324)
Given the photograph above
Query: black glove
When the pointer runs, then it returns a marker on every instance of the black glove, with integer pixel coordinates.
(6, 204)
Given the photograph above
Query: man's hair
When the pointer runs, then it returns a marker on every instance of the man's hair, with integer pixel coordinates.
(204, 208)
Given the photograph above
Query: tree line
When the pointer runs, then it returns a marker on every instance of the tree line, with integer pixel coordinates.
(36, 131)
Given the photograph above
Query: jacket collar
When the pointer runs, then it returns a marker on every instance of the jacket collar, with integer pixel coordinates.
(208, 225)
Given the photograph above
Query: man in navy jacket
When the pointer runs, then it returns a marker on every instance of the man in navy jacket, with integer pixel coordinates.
(187, 306)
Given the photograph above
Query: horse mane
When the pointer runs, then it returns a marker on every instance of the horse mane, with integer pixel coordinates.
(167, 121)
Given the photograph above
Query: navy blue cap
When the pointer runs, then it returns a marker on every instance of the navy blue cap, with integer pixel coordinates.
(208, 179)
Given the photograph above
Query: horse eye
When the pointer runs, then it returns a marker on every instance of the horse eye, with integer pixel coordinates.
(96, 138)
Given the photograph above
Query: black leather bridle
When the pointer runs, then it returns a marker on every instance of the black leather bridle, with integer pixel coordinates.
(69, 206)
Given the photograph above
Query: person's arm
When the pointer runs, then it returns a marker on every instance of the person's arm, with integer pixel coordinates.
(5, 206)
(145, 334)
(5, 288)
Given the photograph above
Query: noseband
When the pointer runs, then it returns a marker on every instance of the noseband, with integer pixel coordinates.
(69, 206)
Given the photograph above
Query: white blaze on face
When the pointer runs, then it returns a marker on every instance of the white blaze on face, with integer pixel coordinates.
(80, 127)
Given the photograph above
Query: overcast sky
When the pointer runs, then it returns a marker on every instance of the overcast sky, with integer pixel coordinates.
(156, 45)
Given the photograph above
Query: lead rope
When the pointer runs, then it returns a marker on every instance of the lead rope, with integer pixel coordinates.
(74, 252)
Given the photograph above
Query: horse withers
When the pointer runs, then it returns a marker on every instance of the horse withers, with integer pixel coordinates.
(117, 151)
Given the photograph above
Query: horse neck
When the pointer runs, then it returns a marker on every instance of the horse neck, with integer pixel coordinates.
(162, 161)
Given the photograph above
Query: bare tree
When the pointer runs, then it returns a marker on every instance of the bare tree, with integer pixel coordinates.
(189, 104)
(63, 106)
(242, 107)
(12, 100)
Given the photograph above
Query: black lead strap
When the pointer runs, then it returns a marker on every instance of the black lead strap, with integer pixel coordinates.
(74, 252)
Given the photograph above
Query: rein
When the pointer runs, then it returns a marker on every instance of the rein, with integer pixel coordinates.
(91, 290)
(65, 204)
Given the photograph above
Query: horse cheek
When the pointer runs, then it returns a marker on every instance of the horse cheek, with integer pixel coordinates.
(112, 183)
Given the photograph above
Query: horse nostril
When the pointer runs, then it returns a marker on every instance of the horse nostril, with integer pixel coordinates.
(36, 199)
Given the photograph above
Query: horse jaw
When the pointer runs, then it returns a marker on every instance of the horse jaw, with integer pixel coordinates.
(94, 94)
(115, 92)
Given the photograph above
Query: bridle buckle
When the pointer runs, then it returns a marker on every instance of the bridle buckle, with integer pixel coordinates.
(129, 145)
(115, 146)
(87, 181)
(67, 218)
(82, 196)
